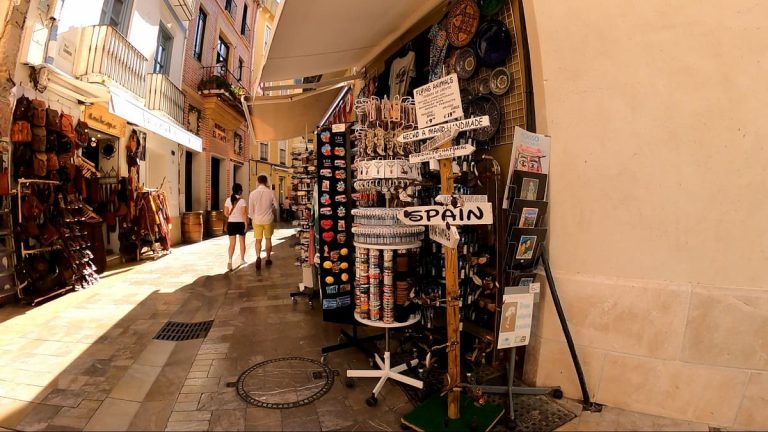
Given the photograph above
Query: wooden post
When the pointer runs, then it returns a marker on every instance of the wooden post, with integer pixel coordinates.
(451, 296)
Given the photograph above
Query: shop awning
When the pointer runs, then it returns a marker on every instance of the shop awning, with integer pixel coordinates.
(289, 116)
(320, 36)
(60, 82)
(134, 111)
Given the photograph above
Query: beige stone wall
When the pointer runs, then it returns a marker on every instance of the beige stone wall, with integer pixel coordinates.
(658, 175)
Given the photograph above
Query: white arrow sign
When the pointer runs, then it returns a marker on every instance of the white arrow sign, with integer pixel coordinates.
(442, 153)
(470, 214)
(446, 237)
(462, 125)
(446, 199)
(439, 139)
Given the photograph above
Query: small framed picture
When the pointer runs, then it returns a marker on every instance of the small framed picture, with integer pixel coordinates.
(528, 213)
(528, 217)
(530, 189)
(530, 185)
(526, 247)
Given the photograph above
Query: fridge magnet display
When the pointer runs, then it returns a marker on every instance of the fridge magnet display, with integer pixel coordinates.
(326, 186)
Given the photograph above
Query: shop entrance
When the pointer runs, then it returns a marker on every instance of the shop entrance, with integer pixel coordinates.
(101, 151)
(215, 183)
(187, 181)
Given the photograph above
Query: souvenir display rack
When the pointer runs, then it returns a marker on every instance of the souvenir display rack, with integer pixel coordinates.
(303, 181)
(147, 233)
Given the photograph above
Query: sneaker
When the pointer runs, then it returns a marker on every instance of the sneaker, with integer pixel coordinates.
(229, 266)
(258, 263)
(269, 262)
(243, 261)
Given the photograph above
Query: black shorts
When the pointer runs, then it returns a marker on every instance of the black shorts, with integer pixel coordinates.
(235, 228)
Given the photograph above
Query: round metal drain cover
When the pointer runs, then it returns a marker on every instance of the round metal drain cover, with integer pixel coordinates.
(286, 382)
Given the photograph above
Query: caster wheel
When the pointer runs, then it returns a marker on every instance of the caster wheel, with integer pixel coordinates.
(293, 299)
(371, 401)
(324, 359)
(349, 382)
(405, 427)
(557, 394)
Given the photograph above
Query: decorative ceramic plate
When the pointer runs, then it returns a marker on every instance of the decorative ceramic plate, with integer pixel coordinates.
(489, 7)
(462, 22)
(465, 63)
(493, 43)
(484, 87)
(499, 81)
(486, 105)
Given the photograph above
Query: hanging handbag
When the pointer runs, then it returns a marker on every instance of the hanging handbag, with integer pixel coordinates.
(52, 119)
(48, 234)
(21, 132)
(38, 112)
(23, 109)
(81, 132)
(65, 144)
(38, 138)
(53, 162)
(67, 125)
(40, 164)
(51, 141)
(31, 208)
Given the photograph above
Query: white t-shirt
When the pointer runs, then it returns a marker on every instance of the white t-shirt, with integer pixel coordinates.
(403, 69)
(235, 215)
(261, 203)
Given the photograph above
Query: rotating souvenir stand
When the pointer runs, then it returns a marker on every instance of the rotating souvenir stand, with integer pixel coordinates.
(303, 180)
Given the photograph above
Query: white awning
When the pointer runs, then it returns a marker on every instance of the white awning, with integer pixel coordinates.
(289, 116)
(62, 83)
(321, 36)
(134, 111)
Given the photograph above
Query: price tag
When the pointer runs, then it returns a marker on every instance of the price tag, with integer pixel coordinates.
(438, 102)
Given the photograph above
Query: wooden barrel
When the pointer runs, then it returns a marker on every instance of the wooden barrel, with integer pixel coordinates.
(215, 223)
(192, 227)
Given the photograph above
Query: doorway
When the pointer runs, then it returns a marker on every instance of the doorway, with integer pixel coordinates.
(215, 183)
(187, 181)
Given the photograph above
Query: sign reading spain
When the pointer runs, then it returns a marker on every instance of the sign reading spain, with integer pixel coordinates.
(469, 214)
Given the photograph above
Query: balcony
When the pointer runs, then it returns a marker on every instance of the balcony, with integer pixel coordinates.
(184, 8)
(163, 95)
(220, 80)
(105, 53)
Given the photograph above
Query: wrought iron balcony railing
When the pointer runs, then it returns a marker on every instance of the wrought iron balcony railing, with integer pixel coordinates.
(163, 95)
(104, 52)
(218, 79)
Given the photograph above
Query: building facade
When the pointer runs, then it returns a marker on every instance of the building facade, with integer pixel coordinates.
(118, 66)
(217, 72)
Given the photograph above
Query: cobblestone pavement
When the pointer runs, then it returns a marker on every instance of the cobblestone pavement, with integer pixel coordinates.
(88, 360)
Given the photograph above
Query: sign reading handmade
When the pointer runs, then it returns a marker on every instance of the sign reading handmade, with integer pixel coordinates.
(447, 199)
(448, 237)
(442, 153)
(470, 214)
(461, 125)
(438, 101)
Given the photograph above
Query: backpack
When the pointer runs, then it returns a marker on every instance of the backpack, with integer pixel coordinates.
(21, 132)
(23, 109)
(53, 162)
(38, 138)
(38, 112)
(40, 164)
(52, 119)
(67, 125)
(51, 141)
(81, 132)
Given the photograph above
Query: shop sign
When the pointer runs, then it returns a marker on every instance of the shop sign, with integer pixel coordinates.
(448, 237)
(442, 153)
(516, 320)
(461, 125)
(438, 101)
(102, 120)
(469, 214)
(446, 199)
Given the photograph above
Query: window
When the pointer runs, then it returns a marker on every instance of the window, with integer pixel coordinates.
(264, 151)
(197, 50)
(222, 54)
(117, 14)
(238, 143)
(163, 51)
(231, 7)
(283, 152)
(267, 33)
(244, 24)
(240, 67)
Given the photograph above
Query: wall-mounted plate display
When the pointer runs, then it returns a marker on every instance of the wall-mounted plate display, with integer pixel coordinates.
(486, 105)
(500, 81)
(493, 43)
(465, 63)
(462, 22)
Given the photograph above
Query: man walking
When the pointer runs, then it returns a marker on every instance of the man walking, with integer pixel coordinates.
(262, 207)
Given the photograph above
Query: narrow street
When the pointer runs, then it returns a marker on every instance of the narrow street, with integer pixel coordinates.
(88, 360)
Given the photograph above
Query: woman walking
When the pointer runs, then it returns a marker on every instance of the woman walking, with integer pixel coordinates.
(236, 209)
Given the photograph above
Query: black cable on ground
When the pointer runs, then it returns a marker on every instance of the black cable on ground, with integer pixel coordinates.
(587, 401)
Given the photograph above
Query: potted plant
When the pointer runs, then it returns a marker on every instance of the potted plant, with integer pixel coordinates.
(237, 91)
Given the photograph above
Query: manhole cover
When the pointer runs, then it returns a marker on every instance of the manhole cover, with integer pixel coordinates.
(286, 382)
(182, 331)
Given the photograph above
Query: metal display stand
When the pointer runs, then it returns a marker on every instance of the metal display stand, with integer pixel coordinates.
(386, 370)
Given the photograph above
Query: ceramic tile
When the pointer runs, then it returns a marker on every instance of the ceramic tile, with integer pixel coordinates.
(113, 415)
(753, 412)
(136, 383)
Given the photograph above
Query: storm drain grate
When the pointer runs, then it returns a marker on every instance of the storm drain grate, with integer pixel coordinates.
(180, 331)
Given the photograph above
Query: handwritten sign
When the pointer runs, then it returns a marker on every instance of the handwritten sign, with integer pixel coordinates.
(442, 153)
(470, 214)
(444, 236)
(99, 118)
(440, 139)
(446, 199)
(461, 125)
(438, 101)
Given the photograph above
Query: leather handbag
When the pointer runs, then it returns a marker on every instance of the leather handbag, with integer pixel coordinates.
(65, 144)
(38, 138)
(48, 234)
(38, 112)
(21, 132)
(52, 119)
(31, 208)
(40, 164)
(30, 230)
(23, 109)
(67, 125)
(81, 132)
(51, 141)
(53, 162)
